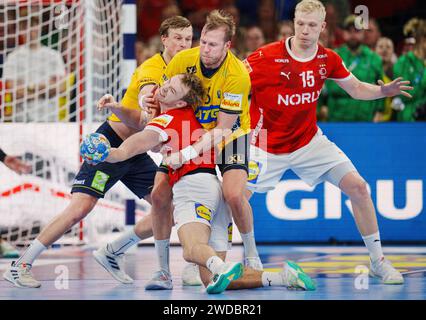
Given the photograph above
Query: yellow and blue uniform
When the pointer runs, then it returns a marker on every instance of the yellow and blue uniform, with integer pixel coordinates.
(149, 72)
(228, 88)
(138, 172)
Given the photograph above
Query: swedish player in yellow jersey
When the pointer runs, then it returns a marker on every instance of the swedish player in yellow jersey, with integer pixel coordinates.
(225, 108)
(137, 173)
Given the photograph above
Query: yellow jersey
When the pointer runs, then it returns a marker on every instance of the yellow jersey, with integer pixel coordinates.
(149, 72)
(227, 89)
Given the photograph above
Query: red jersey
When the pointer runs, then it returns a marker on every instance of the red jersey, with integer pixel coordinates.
(179, 128)
(285, 90)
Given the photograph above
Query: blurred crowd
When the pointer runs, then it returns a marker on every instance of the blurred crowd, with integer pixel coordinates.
(383, 51)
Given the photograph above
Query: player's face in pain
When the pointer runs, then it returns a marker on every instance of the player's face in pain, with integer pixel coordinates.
(172, 91)
(307, 28)
(213, 47)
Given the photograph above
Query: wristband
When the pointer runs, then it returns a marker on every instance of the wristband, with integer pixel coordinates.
(189, 153)
(2, 155)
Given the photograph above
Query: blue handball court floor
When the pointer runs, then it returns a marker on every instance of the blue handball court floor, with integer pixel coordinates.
(71, 273)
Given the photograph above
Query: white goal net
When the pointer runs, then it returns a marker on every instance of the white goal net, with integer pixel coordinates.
(57, 58)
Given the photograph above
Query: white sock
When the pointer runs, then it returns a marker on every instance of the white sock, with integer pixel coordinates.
(33, 251)
(374, 246)
(270, 279)
(162, 248)
(249, 244)
(214, 264)
(124, 242)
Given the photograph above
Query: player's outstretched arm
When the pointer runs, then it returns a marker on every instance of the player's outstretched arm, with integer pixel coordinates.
(136, 144)
(133, 118)
(365, 91)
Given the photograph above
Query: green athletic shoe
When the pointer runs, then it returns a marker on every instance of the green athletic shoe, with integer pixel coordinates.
(296, 278)
(230, 271)
(7, 251)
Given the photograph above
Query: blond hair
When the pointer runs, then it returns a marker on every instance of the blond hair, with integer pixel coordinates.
(196, 91)
(176, 22)
(309, 6)
(218, 19)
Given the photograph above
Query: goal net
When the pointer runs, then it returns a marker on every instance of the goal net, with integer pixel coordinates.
(57, 58)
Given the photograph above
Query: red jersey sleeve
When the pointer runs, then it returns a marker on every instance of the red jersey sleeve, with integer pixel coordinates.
(255, 67)
(338, 70)
(160, 124)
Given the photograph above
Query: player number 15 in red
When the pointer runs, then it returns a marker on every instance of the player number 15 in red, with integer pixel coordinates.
(308, 78)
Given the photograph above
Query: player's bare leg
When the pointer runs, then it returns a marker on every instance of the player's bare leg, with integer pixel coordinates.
(234, 192)
(194, 238)
(79, 207)
(353, 185)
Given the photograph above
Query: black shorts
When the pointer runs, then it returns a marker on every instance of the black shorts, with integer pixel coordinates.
(235, 155)
(136, 173)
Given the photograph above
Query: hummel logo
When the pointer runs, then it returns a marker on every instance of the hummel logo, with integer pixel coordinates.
(287, 75)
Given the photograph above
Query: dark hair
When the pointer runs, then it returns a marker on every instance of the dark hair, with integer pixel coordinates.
(176, 22)
(196, 91)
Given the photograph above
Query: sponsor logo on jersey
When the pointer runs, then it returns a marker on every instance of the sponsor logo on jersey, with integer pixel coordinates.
(79, 181)
(203, 212)
(206, 114)
(247, 65)
(298, 99)
(254, 171)
(322, 56)
(282, 60)
(232, 101)
(287, 75)
(163, 120)
(100, 180)
(230, 228)
(191, 69)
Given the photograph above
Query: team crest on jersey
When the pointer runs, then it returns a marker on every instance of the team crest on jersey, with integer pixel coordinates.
(203, 212)
(254, 171)
(191, 69)
(232, 101)
(323, 72)
(163, 120)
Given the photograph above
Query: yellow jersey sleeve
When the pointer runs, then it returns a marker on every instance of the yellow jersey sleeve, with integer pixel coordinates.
(235, 94)
(149, 72)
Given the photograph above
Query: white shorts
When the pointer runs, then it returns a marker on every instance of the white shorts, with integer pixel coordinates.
(310, 163)
(199, 198)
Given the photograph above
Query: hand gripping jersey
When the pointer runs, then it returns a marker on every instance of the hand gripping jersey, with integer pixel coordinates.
(285, 90)
(149, 72)
(179, 128)
(228, 89)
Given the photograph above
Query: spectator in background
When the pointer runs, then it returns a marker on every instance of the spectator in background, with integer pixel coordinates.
(253, 39)
(35, 78)
(410, 40)
(267, 20)
(285, 29)
(333, 18)
(364, 64)
(18, 166)
(411, 66)
(372, 34)
(385, 49)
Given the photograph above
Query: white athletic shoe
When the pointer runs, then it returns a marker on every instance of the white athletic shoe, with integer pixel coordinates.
(21, 276)
(113, 264)
(295, 278)
(161, 280)
(253, 263)
(191, 275)
(384, 270)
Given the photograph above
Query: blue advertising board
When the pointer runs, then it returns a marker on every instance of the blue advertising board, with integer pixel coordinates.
(391, 157)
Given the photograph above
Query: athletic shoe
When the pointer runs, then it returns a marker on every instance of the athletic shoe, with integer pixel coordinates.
(253, 263)
(230, 271)
(384, 270)
(295, 278)
(21, 276)
(161, 280)
(7, 251)
(113, 264)
(191, 275)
